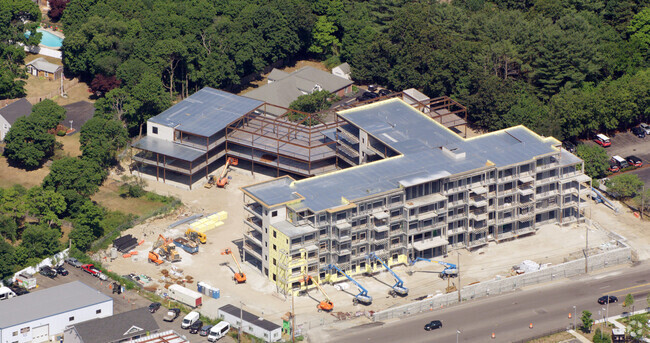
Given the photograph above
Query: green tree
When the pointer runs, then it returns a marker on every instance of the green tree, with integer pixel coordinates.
(629, 302)
(46, 204)
(324, 40)
(47, 114)
(101, 139)
(28, 144)
(8, 258)
(13, 202)
(600, 337)
(637, 328)
(596, 159)
(624, 185)
(82, 237)
(643, 200)
(314, 102)
(79, 175)
(639, 30)
(40, 241)
(90, 215)
(587, 321)
(8, 228)
(148, 99)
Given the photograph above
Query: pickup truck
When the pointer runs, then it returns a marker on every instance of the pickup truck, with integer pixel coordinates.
(172, 314)
(90, 269)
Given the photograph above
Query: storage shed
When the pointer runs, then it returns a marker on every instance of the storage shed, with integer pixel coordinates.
(254, 325)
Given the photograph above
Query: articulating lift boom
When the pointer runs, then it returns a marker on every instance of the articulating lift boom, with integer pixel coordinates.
(326, 305)
(222, 181)
(363, 296)
(238, 277)
(398, 287)
(451, 270)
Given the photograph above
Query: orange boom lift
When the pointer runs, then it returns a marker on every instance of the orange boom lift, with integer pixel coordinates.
(238, 277)
(326, 305)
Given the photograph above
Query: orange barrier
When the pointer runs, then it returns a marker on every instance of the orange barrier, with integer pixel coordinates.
(636, 214)
(569, 315)
(141, 242)
(134, 253)
(493, 336)
(126, 255)
(531, 325)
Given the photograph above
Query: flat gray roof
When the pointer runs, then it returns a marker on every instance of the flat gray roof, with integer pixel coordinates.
(171, 149)
(249, 317)
(206, 112)
(114, 328)
(293, 230)
(48, 302)
(420, 140)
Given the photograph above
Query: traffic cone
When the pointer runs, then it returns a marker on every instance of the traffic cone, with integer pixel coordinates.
(493, 336)
(531, 325)
(569, 315)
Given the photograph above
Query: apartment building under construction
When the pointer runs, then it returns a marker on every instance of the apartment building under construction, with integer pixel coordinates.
(415, 189)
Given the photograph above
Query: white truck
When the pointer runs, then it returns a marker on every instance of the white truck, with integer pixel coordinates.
(6, 293)
(26, 281)
(185, 295)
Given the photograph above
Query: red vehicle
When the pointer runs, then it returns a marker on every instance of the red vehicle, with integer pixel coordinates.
(602, 140)
(634, 161)
(613, 166)
(90, 269)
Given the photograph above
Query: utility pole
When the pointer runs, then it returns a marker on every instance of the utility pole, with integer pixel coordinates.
(293, 319)
(642, 201)
(458, 271)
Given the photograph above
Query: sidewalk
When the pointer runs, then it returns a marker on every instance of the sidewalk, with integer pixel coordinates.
(613, 320)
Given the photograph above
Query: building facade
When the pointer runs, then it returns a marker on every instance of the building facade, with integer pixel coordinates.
(38, 316)
(252, 324)
(417, 190)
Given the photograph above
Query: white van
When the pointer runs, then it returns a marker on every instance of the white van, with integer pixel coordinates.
(218, 331)
(6, 293)
(190, 319)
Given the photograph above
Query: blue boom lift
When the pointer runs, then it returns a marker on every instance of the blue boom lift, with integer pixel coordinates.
(451, 270)
(398, 287)
(363, 296)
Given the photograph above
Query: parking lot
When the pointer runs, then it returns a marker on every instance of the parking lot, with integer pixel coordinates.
(625, 144)
(124, 302)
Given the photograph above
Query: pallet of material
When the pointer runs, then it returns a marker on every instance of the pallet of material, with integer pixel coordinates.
(125, 243)
(210, 222)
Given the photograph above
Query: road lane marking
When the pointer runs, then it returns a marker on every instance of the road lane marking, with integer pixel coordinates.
(604, 287)
(625, 289)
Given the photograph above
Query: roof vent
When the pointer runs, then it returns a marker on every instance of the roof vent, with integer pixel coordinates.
(453, 153)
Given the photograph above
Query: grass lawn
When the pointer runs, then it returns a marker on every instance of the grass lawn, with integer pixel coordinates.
(10, 176)
(606, 330)
(71, 146)
(109, 197)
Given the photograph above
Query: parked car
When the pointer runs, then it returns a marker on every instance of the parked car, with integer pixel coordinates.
(602, 140)
(48, 271)
(569, 146)
(90, 269)
(434, 324)
(102, 276)
(372, 88)
(639, 132)
(622, 163)
(205, 330)
(384, 92)
(172, 314)
(645, 128)
(61, 271)
(634, 161)
(367, 96)
(613, 166)
(607, 299)
(73, 262)
(153, 307)
(196, 327)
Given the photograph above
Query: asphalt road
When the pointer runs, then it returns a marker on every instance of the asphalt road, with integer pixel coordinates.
(625, 144)
(509, 315)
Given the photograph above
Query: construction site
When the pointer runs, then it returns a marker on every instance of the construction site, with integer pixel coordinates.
(374, 234)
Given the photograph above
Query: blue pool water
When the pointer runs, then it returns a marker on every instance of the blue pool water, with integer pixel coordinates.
(49, 39)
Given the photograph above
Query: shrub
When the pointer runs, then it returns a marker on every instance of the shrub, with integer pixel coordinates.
(60, 133)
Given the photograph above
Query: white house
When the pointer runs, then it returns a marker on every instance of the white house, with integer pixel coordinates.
(37, 316)
(10, 113)
(254, 325)
(342, 70)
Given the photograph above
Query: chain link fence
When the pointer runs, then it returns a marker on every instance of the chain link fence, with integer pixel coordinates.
(621, 255)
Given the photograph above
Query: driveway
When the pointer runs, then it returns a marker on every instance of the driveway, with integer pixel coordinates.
(625, 144)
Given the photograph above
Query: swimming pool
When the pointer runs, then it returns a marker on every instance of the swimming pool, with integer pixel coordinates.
(49, 39)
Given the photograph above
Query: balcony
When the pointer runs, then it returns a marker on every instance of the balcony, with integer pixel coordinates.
(254, 209)
(506, 205)
(255, 237)
(547, 180)
(526, 190)
(546, 194)
(478, 216)
(478, 242)
(254, 223)
(425, 200)
(478, 201)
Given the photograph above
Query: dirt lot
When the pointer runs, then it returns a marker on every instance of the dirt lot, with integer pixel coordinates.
(259, 294)
(11, 175)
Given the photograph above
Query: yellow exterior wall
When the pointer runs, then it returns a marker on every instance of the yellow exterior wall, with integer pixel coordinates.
(374, 267)
(285, 265)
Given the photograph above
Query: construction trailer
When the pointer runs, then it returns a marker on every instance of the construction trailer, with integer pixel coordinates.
(185, 295)
(250, 323)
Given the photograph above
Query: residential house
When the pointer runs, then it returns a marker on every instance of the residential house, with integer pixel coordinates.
(121, 327)
(42, 68)
(342, 70)
(10, 113)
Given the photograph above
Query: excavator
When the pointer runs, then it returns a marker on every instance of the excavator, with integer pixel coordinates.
(167, 249)
(238, 277)
(196, 236)
(155, 258)
(222, 181)
(326, 305)
(211, 181)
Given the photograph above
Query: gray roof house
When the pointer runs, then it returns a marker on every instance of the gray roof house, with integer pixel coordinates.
(10, 113)
(41, 67)
(254, 325)
(283, 88)
(117, 328)
(342, 70)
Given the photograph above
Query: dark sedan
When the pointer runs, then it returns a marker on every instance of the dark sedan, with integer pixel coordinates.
(639, 132)
(196, 327)
(61, 271)
(435, 324)
(607, 299)
(153, 307)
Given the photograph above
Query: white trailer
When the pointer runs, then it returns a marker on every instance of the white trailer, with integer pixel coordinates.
(185, 295)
